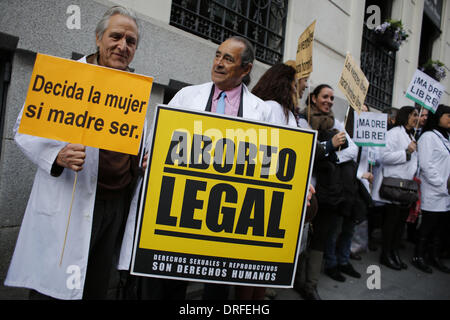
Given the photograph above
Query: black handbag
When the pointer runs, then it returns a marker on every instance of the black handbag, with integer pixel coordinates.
(403, 191)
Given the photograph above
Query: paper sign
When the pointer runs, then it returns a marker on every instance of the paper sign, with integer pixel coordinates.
(353, 83)
(304, 65)
(223, 199)
(425, 91)
(82, 103)
(372, 155)
(369, 129)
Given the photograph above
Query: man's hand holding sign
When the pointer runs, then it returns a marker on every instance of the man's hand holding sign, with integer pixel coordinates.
(72, 157)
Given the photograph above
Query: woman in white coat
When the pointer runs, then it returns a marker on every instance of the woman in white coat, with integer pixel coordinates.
(434, 161)
(277, 87)
(399, 159)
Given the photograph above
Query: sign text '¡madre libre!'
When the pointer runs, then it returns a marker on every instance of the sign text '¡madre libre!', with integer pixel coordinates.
(375, 124)
(222, 155)
(421, 89)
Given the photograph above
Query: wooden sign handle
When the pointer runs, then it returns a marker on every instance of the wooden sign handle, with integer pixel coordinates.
(68, 219)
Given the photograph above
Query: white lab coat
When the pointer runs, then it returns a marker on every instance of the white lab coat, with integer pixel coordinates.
(434, 161)
(349, 153)
(363, 167)
(377, 171)
(278, 116)
(36, 258)
(196, 97)
(394, 156)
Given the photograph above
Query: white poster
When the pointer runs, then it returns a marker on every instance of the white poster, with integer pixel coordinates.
(369, 129)
(372, 155)
(425, 91)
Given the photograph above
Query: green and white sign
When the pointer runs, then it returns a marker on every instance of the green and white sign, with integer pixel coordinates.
(425, 91)
(369, 129)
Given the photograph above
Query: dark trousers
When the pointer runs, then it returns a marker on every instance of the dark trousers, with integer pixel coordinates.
(214, 291)
(146, 288)
(321, 226)
(337, 248)
(432, 226)
(107, 233)
(375, 219)
(446, 237)
(393, 226)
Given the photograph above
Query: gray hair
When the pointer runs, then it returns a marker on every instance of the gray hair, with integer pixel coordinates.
(102, 25)
(247, 56)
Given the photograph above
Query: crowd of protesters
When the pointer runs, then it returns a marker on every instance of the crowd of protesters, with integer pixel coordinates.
(348, 193)
(348, 186)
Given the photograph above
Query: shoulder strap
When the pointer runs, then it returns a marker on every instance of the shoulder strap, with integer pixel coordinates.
(359, 155)
(241, 103)
(209, 103)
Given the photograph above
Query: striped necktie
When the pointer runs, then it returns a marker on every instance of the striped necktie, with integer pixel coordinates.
(221, 103)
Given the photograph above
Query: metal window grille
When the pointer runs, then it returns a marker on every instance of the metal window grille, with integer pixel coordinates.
(378, 64)
(262, 22)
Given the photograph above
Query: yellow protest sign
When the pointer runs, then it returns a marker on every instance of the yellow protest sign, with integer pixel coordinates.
(82, 103)
(353, 83)
(304, 65)
(223, 199)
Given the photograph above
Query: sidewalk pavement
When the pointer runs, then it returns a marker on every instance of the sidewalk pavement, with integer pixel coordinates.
(409, 284)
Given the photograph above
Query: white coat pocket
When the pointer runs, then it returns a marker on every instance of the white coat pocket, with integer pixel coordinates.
(46, 194)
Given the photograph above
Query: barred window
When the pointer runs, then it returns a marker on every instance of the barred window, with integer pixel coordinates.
(378, 64)
(262, 22)
(378, 61)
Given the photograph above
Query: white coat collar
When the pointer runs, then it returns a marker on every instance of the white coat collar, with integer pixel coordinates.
(445, 141)
(249, 102)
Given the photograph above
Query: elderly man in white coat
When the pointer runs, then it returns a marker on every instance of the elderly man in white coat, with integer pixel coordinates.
(231, 68)
(105, 184)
